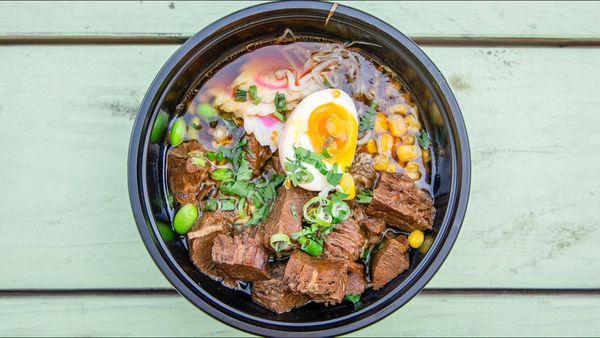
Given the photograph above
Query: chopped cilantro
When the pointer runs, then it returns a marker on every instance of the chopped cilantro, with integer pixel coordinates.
(364, 197)
(366, 121)
(424, 140)
(227, 204)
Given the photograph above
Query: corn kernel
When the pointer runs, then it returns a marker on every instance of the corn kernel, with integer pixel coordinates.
(348, 187)
(398, 109)
(381, 124)
(413, 122)
(408, 139)
(397, 126)
(412, 166)
(391, 168)
(372, 146)
(386, 142)
(426, 156)
(416, 238)
(406, 153)
(381, 162)
(414, 175)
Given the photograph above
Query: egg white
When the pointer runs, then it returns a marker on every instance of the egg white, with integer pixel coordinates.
(294, 133)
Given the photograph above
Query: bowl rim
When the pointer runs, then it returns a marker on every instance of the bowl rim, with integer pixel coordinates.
(452, 221)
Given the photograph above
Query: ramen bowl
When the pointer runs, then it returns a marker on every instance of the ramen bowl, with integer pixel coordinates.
(220, 41)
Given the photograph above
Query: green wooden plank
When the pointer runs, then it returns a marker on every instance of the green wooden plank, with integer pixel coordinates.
(417, 19)
(532, 116)
(426, 315)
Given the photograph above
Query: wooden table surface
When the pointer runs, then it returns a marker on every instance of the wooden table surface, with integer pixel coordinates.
(526, 75)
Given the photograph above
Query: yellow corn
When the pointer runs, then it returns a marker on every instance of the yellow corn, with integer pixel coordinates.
(406, 153)
(412, 166)
(397, 125)
(398, 109)
(416, 238)
(413, 123)
(372, 146)
(426, 156)
(381, 124)
(408, 139)
(386, 142)
(381, 163)
(414, 175)
(391, 168)
(348, 187)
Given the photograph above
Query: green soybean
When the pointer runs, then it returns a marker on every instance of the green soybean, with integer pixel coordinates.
(178, 132)
(165, 231)
(185, 218)
(160, 127)
(222, 175)
(206, 111)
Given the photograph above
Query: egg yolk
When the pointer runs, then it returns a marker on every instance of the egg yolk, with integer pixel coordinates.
(331, 127)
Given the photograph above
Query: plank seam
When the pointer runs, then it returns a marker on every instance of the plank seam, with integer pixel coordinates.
(179, 39)
(171, 292)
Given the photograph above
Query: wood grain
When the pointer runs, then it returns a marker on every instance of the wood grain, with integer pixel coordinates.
(532, 117)
(179, 19)
(425, 315)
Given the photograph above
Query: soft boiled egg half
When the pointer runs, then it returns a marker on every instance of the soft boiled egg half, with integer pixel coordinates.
(324, 120)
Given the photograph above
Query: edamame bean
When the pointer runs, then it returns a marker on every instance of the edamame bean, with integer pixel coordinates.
(160, 127)
(185, 218)
(165, 231)
(206, 111)
(178, 132)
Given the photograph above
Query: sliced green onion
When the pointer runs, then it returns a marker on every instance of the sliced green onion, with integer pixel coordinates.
(253, 93)
(340, 211)
(279, 116)
(280, 242)
(310, 246)
(280, 104)
(211, 205)
(227, 204)
(240, 95)
(222, 175)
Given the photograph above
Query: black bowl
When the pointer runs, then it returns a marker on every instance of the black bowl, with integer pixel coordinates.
(174, 84)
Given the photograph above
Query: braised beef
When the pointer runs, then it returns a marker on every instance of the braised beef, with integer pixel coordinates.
(363, 172)
(186, 175)
(390, 260)
(357, 281)
(201, 239)
(374, 228)
(323, 280)
(399, 202)
(286, 213)
(257, 155)
(241, 256)
(275, 295)
(345, 242)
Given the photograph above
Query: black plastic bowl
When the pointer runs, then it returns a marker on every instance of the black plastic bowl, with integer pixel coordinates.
(212, 45)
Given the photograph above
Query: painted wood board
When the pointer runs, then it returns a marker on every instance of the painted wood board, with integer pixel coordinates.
(452, 19)
(426, 315)
(67, 112)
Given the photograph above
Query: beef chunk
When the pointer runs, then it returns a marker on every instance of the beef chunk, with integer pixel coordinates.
(363, 172)
(399, 202)
(323, 280)
(257, 155)
(374, 228)
(241, 256)
(281, 220)
(345, 242)
(275, 295)
(201, 239)
(356, 279)
(186, 176)
(389, 261)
